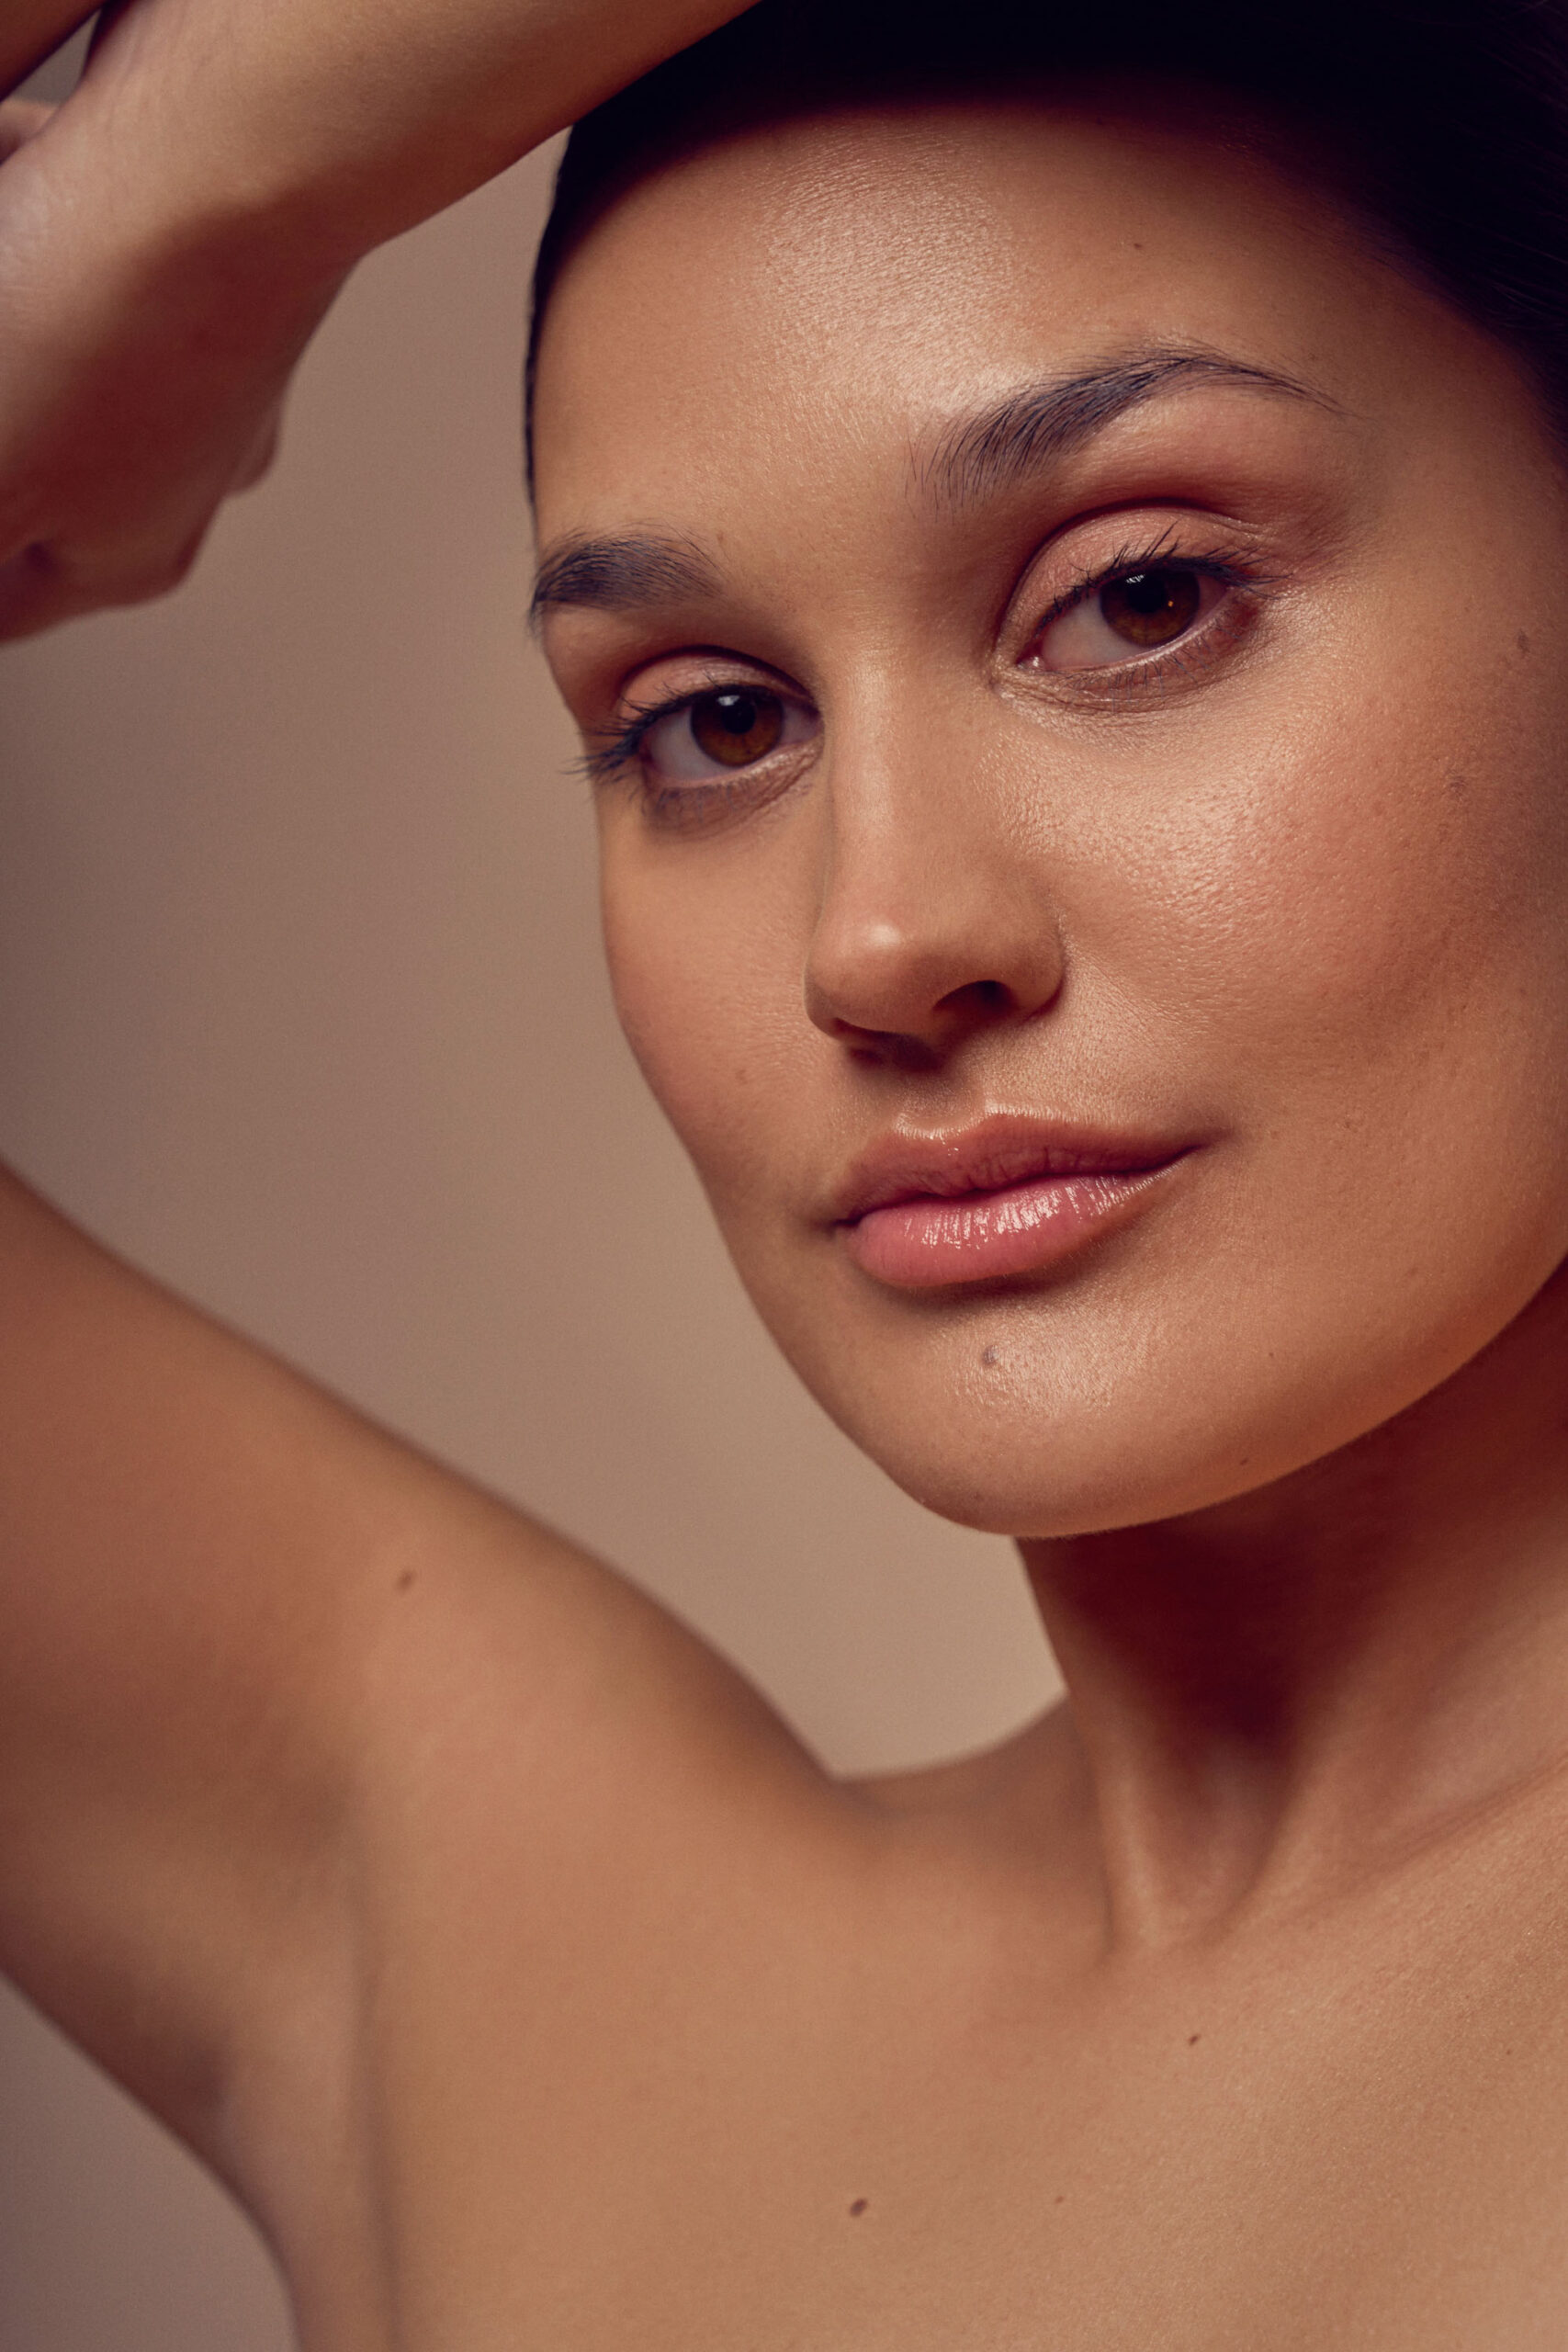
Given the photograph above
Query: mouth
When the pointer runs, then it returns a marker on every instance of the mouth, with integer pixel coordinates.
(1000, 1199)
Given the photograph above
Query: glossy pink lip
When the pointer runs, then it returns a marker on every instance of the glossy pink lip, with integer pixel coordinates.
(1003, 1198)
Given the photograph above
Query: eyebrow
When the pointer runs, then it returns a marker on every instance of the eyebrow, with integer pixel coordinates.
(1041, 424)
(620, 573)
(1018, 435)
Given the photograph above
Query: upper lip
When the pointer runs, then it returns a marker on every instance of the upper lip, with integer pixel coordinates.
(988, 1156)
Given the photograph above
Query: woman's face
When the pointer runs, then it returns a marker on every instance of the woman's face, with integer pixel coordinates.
(1076, 652)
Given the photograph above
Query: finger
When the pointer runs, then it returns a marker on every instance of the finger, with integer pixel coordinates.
(46, 584)
(32, 596)
(264, 451)
(20, 119)
(40, 588)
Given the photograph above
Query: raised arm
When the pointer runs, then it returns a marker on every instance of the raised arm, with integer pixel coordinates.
(199, 1553)
(249, 1647)
(209, 1570)
(170, 240)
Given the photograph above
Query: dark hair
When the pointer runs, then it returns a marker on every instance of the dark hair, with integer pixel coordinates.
(1445, 121)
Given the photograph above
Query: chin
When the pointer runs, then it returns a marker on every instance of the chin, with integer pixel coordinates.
(1149, 1386)
(1020, 1449)
(1046, 1441)
(1048, 1482)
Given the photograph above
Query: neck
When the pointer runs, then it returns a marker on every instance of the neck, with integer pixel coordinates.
(1280, 1693)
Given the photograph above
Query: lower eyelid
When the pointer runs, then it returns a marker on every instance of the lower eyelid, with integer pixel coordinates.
(744, 792)
(1237, 607)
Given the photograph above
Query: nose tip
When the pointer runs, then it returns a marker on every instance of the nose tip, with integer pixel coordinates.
(938, 914)
(911, 996)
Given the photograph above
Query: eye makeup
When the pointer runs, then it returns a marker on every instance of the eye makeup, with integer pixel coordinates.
(727, 743)
(1162, 610)
(1155, 613)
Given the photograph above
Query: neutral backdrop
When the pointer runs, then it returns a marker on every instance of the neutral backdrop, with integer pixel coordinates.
(301, 1007)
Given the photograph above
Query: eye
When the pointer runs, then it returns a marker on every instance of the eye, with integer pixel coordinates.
(729, 727)
(1136, 613)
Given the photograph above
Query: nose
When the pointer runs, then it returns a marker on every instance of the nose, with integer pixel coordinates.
(936, 917)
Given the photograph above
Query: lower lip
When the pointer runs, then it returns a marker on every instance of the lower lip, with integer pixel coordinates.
(928, 1242)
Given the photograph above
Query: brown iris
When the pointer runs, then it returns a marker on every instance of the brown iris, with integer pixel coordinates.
(1151, 608)
(734, 725)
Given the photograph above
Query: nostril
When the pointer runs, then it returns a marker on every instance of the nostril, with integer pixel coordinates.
(979, 999)
(889, 1049)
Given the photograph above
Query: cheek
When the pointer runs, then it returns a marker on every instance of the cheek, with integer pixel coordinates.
(1362, 888)
(1347, 943)
(707, 966)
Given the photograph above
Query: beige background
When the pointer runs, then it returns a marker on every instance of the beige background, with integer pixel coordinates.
(300, 1006)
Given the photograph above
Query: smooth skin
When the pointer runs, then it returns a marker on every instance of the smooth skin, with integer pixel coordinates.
(495, 1941)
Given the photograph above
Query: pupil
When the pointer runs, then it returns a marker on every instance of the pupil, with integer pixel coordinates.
(1151, 608)
(736, 727)
(736, 713)
(1147, 591)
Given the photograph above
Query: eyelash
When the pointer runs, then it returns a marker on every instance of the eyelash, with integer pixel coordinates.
(1227, 566)
(625, 743)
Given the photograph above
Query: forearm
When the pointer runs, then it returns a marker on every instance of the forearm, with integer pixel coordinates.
(336, 124)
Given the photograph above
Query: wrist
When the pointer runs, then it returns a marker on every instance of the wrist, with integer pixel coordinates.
(319, 128)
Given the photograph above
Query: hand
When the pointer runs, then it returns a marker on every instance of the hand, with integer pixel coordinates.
(143, 364)
(173, 235)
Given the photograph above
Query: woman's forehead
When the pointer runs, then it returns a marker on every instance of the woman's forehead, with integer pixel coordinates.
(821, 294)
